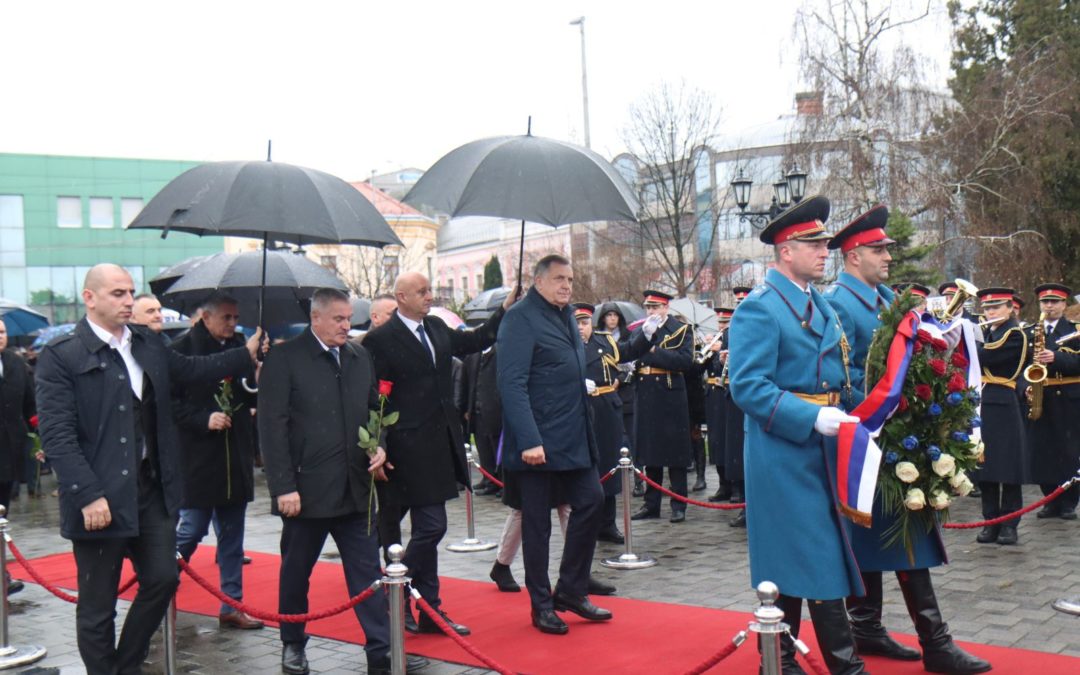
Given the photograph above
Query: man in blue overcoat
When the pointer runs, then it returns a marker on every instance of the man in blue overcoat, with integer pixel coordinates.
(786, 375)
(858, 296)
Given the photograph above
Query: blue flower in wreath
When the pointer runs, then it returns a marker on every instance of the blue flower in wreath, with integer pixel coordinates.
(934, 410)
(934, 452)
(974, 396)
(960, 436)
(891, 457)
(910, 443)
(954, 399)
(976, 422)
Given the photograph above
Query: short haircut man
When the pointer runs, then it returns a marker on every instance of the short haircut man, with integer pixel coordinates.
(382, 308)
(147, 312)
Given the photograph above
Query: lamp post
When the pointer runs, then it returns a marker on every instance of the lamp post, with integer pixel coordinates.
(580, 23)
(789, 189)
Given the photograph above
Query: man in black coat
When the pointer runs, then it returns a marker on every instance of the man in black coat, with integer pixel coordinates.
(316, 390)
(218, 434)
(413, 351)
(107, 428)
(16, 409)
(483, 411)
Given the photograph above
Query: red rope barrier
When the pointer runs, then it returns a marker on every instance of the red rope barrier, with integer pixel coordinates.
(1001, 519)
(815, 664)
(274, 616)
(492, 479)
(607, 476)
(687, 500)
(719, 656)
(452, 634)
(19, 558)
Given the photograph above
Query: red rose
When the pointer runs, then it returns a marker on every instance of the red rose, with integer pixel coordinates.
(938, 366)
(924, 336)
(924, 391)
(959, 360)
(957, 383)
(385, 386)
(918, 347)
(34, 422)
(903, 405)
(227, 378)
(939, 345)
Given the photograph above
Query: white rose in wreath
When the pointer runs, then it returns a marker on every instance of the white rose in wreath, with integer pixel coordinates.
(945, 465)
(907, 472)
(977, 451)
(939, 500)
(915, 500)
(961, 484)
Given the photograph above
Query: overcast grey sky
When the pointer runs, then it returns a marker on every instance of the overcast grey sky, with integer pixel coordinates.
(352, 87)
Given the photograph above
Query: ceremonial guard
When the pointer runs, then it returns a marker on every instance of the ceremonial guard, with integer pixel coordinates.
(858, 296)
(716, 404)
(786, 374)
(1054, 435)
(734, 438)
(602, 356)
(662, 418)
(1002, 356)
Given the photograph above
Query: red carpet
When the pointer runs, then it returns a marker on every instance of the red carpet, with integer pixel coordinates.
(650, 637)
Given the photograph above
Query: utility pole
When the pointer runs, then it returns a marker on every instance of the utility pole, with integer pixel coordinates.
(580, 23)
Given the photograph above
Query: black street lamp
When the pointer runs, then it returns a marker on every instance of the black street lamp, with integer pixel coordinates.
(787, 190)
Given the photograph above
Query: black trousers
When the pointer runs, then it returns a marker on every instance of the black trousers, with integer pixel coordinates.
(302, 541)
(422, 553)
(1068, 499)
(580, 488)
(391, 511)
(487, 444)
(99, 562)
(999, 499)
(677, 474)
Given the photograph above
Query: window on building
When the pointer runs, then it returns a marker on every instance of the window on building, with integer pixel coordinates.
(101, 212)
(12, 239)
(450, 286)
(465, 284)
(11, 211)
(129, 208)
(69, 212)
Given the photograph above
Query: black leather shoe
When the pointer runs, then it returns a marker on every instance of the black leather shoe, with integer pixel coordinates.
(410, 620)
(1068, 515)
(864, 613)
(247, 560)
(1048, 511)
(737, 497)
(612, 534)
(580, 606)
(293, 659)
(884, 645)
(952, 660)
(940, 653)
(989, 534)
(699, 484)
(677, 516)
(426, 625)
(645, 513)
(489, 489)
(14, 586)
(504, 578)
(639, 490)
(1008, 536)
(549, 622)
(722, 494)
(413, 664)
(740, 520)
(597, 587)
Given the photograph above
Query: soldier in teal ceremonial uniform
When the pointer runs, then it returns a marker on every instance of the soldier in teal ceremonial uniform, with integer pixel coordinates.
(858, 296)
(786, 375)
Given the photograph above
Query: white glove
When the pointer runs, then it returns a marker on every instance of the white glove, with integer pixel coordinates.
(651, 324)
(829, 419)
(590, 386)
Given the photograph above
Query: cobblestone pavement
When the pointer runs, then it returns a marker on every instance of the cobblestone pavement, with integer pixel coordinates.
(991, 594)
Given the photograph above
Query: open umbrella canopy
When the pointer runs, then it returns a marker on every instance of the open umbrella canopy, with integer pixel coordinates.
(168, 276)
(361, 312)
(290, 281)
(20, 319)
(46, 335)
(480, 308)
(539, 180)
(701, 318)
(266, 200)
(449, 318)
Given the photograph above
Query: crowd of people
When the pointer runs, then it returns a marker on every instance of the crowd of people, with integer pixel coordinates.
(152, 443)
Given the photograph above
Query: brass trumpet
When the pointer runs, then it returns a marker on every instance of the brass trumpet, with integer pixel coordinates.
(706, 351)
(965, 290)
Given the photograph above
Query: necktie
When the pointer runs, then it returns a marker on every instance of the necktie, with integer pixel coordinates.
(424, 341)
(336, 354)
(1049, 328)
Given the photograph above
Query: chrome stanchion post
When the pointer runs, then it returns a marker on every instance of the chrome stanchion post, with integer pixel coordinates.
(10, 656)
(628, 560)
(395, 581)
(470, 544)
(170, 637)
(769, 625)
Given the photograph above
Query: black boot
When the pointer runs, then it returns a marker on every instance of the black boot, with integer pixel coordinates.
(792, 608)
(699, 464)
(940, 653)
(870, 636)
(834, 638)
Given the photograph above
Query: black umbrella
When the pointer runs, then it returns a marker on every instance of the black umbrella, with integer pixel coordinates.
(286, 283)
(168, 276)
(267, 200)
(631, 312)
(361, 312)
(526, 178)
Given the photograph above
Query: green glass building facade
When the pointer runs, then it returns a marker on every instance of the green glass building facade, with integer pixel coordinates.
(59, 216)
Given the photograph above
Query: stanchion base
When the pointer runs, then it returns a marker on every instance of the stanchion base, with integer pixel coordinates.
(1068, 605)
(629, 561)
(14, 656)
(471, 546)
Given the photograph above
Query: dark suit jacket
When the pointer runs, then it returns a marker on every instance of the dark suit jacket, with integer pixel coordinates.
(214, 474)
(309, 417)
(482, 393)
(16, 409)
(426, 445)
(88, 427)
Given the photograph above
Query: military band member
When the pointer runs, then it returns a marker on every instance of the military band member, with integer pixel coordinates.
(1002, 355)
(602, 356)
(947, 290)
(1054, 438)
(661, 410)
(716, 404)
(786, 375)
(858, 296)
(695, 399)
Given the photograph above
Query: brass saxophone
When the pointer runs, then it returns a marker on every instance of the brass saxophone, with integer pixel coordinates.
(1036, 372)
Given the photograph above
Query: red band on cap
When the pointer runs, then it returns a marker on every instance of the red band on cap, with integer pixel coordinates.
(657, 299)
(918, 292)
(724, 315)
(741, 294)
(582, 311)
(798, 230)
(996, 296)
(866, 237)
(1053, 293)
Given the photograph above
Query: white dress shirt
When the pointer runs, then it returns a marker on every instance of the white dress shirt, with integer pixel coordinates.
(122, 345)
